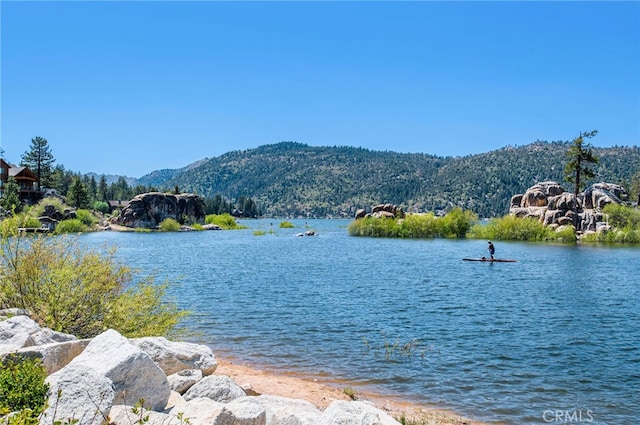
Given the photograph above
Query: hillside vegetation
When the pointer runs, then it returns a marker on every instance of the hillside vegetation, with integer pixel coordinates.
(294, 179)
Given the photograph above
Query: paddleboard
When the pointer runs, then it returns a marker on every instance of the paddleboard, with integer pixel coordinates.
(489, 260)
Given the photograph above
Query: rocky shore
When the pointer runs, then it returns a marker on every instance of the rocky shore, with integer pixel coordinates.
(104, 377)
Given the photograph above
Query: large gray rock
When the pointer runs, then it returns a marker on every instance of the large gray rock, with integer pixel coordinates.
(78, 392)
(180, 382)
(199, 411)
(354, 413)
(216, 387)
(125, 415)
(565, 202)
(56, 355)
(173, 357)
(284, 411)
(598, 195)
(150, 209)
(16, 332)
(235, 413)
(134, 374)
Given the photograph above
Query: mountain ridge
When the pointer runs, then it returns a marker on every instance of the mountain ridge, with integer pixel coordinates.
(295, 179)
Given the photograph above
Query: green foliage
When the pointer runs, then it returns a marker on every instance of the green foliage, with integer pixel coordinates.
(11, 196)
(38, 209)
(226, 221)
(78, 195)
(72, 225)
(78, 291)
(581, 158)
(614, 236)
(86, 217)
(286, 225)
(625, 223)
(101, 206)
(622, 216)
(512, 228)
(455, 224)
(350, 392)
(22, 386)
(9, 226)
(292, 179)
(169, 225)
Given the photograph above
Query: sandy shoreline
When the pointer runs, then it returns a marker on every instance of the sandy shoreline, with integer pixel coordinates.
(323, 392)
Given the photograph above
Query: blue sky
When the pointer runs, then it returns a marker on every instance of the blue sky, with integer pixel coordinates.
(131, 87)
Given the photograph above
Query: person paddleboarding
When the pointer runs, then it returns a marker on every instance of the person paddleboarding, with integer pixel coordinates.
(491, 249)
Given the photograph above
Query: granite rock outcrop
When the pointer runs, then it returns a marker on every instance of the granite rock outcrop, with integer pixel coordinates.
(148, 210)
(554, 206)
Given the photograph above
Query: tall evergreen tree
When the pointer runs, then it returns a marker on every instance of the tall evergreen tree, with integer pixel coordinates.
(581, 157)
(11, 196)
(78, 196)
(39, 159)
(101, 194)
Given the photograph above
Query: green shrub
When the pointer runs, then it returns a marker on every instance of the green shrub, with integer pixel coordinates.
(101, 206)
(454, 224)
(511, 227)
(169, 225)
(622, 217)
(286, 225)
(226, 221)
(614, 236)
(78, 291)
(38, 209)
(73, 225)
(9, 226)
(22, 385)
(86, 217)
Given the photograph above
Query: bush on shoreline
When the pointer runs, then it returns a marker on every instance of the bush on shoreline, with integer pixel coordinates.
(81, 292)
(512, 228)
(225, 221)
(454, 224)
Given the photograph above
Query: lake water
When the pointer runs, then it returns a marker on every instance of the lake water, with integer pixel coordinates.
(552, 338)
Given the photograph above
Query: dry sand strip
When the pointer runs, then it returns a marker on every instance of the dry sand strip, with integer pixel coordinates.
(323, 392)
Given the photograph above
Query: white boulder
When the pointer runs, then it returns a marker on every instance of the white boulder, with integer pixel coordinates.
(134, 374)
(216, 387)
(183, 380)
(234, 413)
(78, 392)
(173, 357)
(57, 355)
(354, 413)
(127, 415)
(199, 411)
(16, 332)
(284, 411)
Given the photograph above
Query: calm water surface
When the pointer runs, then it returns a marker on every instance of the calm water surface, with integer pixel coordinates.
(553, 338)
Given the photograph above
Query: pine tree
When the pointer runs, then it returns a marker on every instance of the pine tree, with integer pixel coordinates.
(580, 156)
(78, 196)
(102, 189)
(39, 159)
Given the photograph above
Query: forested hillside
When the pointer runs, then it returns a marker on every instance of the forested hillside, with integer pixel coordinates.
(293, 179)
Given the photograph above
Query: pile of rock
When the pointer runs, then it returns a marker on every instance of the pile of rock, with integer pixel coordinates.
(381, 210)
(148, 210)
(554, 206)
(106, 376)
